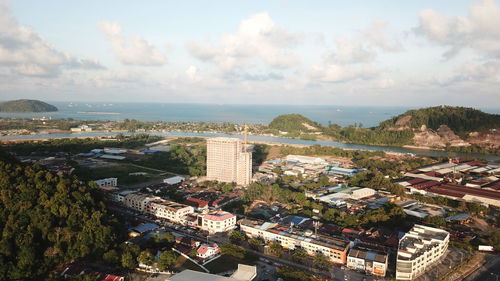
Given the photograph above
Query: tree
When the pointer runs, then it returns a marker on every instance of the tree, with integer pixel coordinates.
(300, 254)
(128, 261)
(320, 261)
(255, 243)
(164, 239)
(232, 250)
(237, 236)
(166, 260)
(275, 248)
(145, 257)
(111, 257)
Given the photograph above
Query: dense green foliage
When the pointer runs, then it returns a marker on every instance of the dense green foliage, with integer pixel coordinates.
(232, 250)
(182, 159)
(460, 119)
(371, 136)
(292, 123)
(26, 106)
(47, 219)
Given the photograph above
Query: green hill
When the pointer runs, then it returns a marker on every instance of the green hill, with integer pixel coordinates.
(294, 123)
(26, 106)
(461, 120)
(47, 220)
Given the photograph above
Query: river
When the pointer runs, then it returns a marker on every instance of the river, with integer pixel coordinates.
(258, 138)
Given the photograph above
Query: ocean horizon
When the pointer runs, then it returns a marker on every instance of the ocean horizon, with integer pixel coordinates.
(368, 116)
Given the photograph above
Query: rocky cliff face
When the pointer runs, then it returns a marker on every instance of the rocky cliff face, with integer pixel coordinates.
(490, 140)
(441, 138)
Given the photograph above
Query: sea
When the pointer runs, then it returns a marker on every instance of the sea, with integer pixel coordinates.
(367, 116)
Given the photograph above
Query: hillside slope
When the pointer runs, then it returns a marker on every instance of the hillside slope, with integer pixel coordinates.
(462, 120)
(26, 106)
(294, 123)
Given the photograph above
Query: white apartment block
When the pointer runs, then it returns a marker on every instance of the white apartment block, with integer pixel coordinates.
(138, 201)
(332, 248)
(217, 222)
(228, 161)
(371, 262)
(169, 210)
(419, 249)
(107, 182)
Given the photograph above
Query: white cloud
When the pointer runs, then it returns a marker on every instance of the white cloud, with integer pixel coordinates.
(131, 50)
(191, 73)
(376, 35)
(335, 73)
(257, 37)
(351, 51)
(479, 30)
(24, 52)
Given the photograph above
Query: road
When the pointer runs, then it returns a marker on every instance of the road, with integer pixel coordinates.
(336, 272)
(488, 272)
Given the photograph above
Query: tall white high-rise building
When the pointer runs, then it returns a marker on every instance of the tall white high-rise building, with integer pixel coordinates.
(228, 160)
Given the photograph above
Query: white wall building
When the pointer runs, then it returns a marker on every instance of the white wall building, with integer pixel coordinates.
(138, 201)
(305, 159)
(174, 180)
(332, 248)
(419, 249)
(217, 222)
(107, 182)
(368, 261)
(228, 160)
(169, 210)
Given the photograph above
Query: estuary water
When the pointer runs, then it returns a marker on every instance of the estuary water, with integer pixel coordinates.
(269, 139)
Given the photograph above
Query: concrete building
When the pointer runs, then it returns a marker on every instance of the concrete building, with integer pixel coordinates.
(420, 248)
(81, 128)
(371, 262)
(107, 182)
(333, 248)
(305, 159)
(169, 210)
(217, 222)
(228, 160)
(138, 201)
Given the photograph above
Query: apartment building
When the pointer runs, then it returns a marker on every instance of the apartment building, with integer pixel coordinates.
(334, 248)
(228, 160)
(169, 210)
(219, 221)
(107, 182)
(138, 201)
(419, 249)
(371, 262)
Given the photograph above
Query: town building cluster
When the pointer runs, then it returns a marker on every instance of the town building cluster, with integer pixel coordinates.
(213, 222)
(309, 168)
(471, 181)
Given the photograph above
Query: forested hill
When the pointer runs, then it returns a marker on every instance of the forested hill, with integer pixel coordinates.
(294, 123)
(26, 106)
(461, 120)
(46, 220)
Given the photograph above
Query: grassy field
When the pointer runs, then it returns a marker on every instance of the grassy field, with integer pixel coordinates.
(122, 171)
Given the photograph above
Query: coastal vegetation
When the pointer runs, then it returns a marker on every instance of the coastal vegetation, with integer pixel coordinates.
(25, 105)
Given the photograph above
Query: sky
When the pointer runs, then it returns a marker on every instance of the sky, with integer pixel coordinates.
(377, 53)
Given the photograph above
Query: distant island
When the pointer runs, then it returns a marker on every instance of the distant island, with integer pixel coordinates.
(25, 105)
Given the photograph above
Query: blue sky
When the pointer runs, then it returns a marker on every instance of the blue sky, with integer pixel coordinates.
(411, 53)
